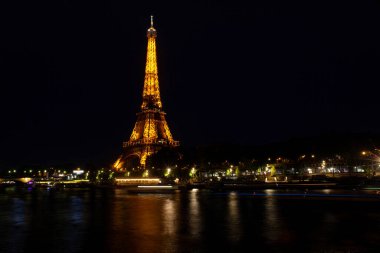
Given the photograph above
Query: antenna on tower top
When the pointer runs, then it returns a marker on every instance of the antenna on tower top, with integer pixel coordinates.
(151, 20)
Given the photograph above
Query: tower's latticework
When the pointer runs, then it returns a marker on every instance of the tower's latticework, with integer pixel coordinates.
(151, 131)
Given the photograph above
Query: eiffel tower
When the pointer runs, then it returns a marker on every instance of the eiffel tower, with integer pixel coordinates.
(151, 131)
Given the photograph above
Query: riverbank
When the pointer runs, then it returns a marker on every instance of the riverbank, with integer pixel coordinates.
(348, 183)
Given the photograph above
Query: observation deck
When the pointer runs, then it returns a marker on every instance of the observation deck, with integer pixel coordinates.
(151, 142)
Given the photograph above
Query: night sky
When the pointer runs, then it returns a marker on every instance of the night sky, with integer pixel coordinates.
(248, 72)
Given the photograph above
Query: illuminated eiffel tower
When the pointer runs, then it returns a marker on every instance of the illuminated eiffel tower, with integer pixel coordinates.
(151, 131)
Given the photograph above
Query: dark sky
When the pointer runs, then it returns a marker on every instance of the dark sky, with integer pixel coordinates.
(249, 72)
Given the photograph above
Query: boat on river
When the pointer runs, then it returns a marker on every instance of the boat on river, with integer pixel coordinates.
(153, 189)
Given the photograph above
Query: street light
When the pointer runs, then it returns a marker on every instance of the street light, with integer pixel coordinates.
(373, 158)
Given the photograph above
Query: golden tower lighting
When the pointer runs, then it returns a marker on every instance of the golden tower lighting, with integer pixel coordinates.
(151, 131)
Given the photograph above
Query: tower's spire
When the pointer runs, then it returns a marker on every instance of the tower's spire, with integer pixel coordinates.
(151, 92)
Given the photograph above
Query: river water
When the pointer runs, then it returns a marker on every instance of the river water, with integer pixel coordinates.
(111, 220)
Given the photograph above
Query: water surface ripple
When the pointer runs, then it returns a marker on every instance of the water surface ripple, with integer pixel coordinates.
(111, 220)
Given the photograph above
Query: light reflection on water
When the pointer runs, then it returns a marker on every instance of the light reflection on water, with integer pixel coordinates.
(170, 222)
(272, 219)
(18, 213)
(195, 221)
(233, 220)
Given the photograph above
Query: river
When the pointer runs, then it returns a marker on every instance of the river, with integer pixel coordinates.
(111, 220)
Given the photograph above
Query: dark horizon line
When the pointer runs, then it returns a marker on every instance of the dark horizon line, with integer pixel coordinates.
(289, 143)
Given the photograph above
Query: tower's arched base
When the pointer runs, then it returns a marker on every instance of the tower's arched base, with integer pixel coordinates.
(134, 157)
